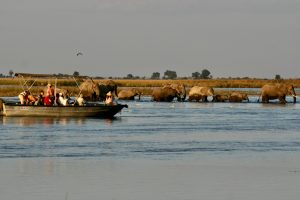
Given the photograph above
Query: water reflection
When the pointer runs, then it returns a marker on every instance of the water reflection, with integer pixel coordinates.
(46, 121)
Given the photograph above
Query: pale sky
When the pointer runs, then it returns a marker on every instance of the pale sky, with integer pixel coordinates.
(254, 38)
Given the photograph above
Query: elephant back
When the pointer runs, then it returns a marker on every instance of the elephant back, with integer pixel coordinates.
(203, 91)
(89, 89)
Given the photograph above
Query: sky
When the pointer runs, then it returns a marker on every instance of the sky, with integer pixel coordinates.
(232, 38)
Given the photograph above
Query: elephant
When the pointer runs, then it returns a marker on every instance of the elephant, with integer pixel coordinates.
(105, 87)
(180, 88)
(165, 94)
(129, 94)
(1, 105)
(220, 98)
(238, 97)
(90, 90)
(277, 91)
(197, 92)
(195, 97)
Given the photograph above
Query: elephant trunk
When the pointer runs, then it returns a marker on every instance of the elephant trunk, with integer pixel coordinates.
(116, 91)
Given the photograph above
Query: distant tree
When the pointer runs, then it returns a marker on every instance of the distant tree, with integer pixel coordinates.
(11, 73)
(170, 74)
(205, 74)
(129, 76)
(277, 77)
(196, 75)
(155, 75)
(76, 73)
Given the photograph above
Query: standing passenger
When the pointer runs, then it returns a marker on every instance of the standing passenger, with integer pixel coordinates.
(49, 99)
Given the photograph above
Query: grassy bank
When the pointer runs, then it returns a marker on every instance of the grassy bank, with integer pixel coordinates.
(14, 85)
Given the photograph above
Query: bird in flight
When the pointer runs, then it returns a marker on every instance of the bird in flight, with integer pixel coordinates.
(79, 54)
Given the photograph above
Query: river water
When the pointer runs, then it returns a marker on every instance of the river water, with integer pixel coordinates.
(155, 151)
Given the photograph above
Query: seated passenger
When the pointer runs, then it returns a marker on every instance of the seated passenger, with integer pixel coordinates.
(48, 101)
(62, 100)
(40, 99)
(80, 100)
(31, 100)
(109, 99)
(23, 96)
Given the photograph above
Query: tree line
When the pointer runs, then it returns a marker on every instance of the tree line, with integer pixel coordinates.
(168, 74)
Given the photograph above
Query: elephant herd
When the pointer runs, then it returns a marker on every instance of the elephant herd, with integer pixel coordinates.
(167, 93)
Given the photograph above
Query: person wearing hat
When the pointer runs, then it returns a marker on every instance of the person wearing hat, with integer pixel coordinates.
(23, 96)
(109, 98)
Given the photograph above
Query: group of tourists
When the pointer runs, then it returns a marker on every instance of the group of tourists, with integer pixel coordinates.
(49, 99)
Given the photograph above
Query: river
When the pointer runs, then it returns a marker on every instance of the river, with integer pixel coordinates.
(155, 151)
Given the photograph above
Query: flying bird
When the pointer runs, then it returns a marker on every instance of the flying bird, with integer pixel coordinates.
(79, 54)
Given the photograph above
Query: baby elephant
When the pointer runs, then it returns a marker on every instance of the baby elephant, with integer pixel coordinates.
(220, 98)
(238, 97)
(129, 94)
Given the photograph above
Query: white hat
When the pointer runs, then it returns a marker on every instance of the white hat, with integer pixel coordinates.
(49, 84)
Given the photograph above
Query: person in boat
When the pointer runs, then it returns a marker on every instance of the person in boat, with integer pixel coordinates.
(49, 98)
(40, 99)
(62, 100)
(31, 100)
(109, 100)
(80, 100)
(23, 96)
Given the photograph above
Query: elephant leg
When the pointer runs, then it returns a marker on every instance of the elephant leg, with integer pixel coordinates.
(282, 100)
(265, 99)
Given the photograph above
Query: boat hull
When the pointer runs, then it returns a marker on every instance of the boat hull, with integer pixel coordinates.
(92, 110)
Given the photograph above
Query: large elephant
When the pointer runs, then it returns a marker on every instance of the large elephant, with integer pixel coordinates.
(105, 87)
(90, 90)
(165, 94)
(200, 93)
(220, 98)
(180, 88)
(129, 94)
(238, 97)
(277, 91)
